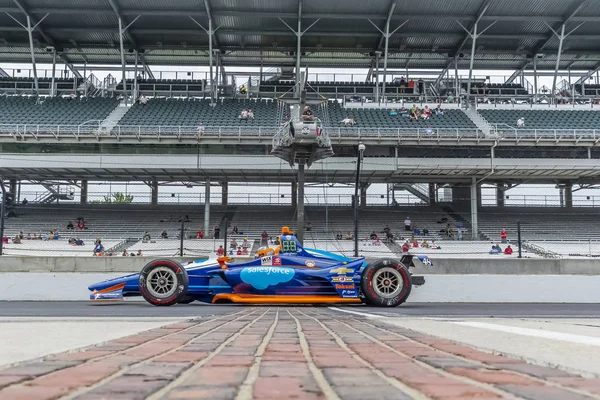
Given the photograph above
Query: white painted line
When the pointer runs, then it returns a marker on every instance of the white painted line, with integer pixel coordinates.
(565, 337)
(357, 313)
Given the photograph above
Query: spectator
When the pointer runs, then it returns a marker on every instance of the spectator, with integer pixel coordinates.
(277, 242)
(349, 236)
(243, 89)
(405, 247)
(264, 238)
(420, 84)
(338, 236)
(139, 253)
(407, 224)
(434, 246)
(143, 100)
(25, 201)
(393, 112)
(164, 235)
(308, 226)
(402, 84)
(220, 251)
(413, 113)
(99, 248)
(233, 244)
(508, 250)
(427, 112)
(17, 240)
(201, 129)
(386, 229)
(21, 235)
(70, 225)
(438, 110)
(459, 233)
(250, 114)
(132, 254)
(80, 224)
(200, 234)
(244, 114)
(521, 122)
(411, 86)
(216, 232)
(373, 236)
(235, 230)
(239, 251)
(347, 121)
(429, 131)
(245, 244)
(494, 250)
(124, 253)
(307, 115)
(79, 242)
(29, 236)
(503, 236)
(425, 245)
(417, 231)
(73, 96)
(146, 236)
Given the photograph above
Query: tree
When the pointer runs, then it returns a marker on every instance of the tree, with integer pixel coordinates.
(117, 198)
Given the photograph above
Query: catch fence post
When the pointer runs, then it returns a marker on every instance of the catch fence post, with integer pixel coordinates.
(519, 237)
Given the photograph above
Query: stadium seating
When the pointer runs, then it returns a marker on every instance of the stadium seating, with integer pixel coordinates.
(544, 119)
(19, 83)
(57, 111)
(175, 112)
(380, 118)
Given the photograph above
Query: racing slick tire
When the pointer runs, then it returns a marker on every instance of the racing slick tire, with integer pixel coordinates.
(386, 283)
(163, 282)
(186, 300)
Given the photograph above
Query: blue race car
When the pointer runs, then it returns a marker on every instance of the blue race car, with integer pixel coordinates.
(288, 273)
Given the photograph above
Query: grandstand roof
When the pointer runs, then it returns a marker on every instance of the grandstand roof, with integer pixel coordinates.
(86, 31)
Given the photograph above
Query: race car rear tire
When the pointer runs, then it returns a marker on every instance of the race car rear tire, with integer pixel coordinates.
(163, 282)
(186, 300)
(386, 283)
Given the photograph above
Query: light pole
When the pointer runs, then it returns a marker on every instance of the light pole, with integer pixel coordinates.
(361, 150)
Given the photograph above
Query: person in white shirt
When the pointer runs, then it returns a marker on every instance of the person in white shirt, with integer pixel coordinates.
(521, 122)
(250, 114)
(244, 114)
(143, 100)
(407, 224)
(200, 129)
(347, 121)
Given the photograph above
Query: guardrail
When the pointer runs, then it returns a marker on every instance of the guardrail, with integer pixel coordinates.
(21, 132)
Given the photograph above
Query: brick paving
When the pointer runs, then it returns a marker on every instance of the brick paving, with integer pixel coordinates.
(287, 353)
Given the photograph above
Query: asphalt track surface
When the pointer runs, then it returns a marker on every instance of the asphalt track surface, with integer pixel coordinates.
(132, 309)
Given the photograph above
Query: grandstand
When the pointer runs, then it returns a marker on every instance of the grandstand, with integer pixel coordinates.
(48, 139)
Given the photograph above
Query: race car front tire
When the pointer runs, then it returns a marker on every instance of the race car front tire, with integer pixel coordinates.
(163, 282)
(386, 283)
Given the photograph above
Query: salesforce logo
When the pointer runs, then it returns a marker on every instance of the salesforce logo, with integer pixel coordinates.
(262, 277)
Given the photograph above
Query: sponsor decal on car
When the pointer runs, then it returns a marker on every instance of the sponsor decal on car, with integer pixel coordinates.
(310, 264)
(340, 286)
(342, 271)
(262, 277)
(349, 293)
(277, 261)
(342, 278)
(268, 260)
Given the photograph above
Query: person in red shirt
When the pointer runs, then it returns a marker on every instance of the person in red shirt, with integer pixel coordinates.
(405, 247)
(508, 250)
(220, 251)
(200, 234)
(503, 235)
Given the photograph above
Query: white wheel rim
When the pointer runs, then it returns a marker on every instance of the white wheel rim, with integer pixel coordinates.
(387, 282)
(162, 282)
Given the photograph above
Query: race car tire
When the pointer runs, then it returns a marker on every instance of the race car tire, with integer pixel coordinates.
(186, 300)
(386, 283)
(163, 282)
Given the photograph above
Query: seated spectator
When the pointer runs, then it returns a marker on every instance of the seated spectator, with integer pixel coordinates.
(132, 254)
(386, 229)
(495, 249)
(73, 96)
(338, 236)
(17, 240)
(146, 236)
(405, 247)
(425, 231)
(412, 115)
(250, 114)
(427, 112)
(79, 242)
(347, 121)
(244, 114)
(308, 226)
(233, 243)
(235, 230)
(139, 253)
(25, 201)
(239, 251)
(434, 246)
(373, 236)
(164, 235)
(393, 112)
(245, 244)
(200, 234)
(99, 248)
(429, 131)
(521, 122)
(407, 224)
(307, 114)
(349, 236)
(201, 129)
(417, 231)
(425, 245)
(124, 253)
(438, 110)
(244, 251)
(81, 225)
(29, 236)
(72, 241)
(277, 242)
(508, 250)
(216, 232)
(143, 100)
(220, 251)
(70, 225)
(377, 242)
(264, 238)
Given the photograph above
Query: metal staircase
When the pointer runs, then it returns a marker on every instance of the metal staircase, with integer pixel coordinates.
(479, 121)
(55, 192)
(114, 117)
(419, 190)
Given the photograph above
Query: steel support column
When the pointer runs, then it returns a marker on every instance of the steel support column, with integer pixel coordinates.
(294, 190)
(224, 193)
(207, 208)
(135, 75)
(123, 60)
(154, 193)
(300, 211)
(474, 202)
(456, 87)
(35, 77)
(569, 195)
(210, 61)
(298, 45)
(474, 40)
(560, 45)
(500, 192)
(377, 55)
(83, 199)
(535, 79)
(432, 192)
(385, 56)
(52, 88)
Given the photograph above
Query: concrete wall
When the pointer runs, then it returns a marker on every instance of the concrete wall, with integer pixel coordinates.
(438, 288)
(500, 266)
